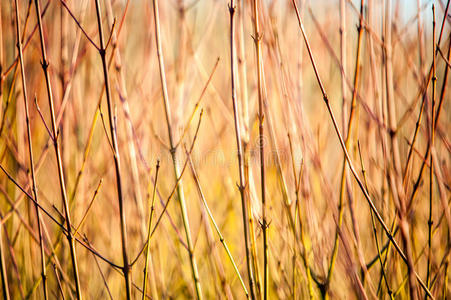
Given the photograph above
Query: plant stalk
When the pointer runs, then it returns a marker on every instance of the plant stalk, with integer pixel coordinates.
(173, 150)
(113, 132)
(62, 183)
(261, 138)
(30, 153)
(431, 155)
(149, 231)
(243, 184)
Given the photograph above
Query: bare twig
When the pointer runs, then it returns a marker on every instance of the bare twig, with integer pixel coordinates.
(30, 153)
(70, 239)
(116, 157)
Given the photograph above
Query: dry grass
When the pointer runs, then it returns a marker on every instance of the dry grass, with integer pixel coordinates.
(262, 150)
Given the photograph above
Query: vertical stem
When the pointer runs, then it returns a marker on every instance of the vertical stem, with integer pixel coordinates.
(149, 231)
(264, 225)
(173, 150)
(30, 152)
(243, 183)
(240, 59)
(70, 238)
(347, 144)
(431, 156)
(113, 133)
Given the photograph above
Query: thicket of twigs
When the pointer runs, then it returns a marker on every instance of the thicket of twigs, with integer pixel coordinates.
(204, 149)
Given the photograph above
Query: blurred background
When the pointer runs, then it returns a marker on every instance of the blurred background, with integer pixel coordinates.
(307, 220)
